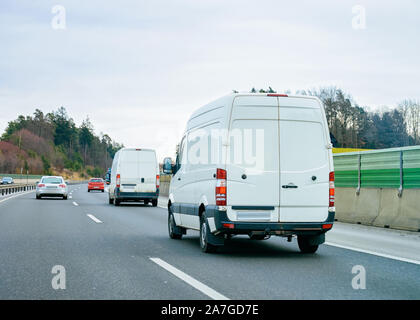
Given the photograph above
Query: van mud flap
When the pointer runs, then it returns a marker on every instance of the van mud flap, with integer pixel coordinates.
(316, 240)
(216, 240)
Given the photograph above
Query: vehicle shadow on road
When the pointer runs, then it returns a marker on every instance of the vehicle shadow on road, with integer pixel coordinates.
(241, 247)
(135, 204)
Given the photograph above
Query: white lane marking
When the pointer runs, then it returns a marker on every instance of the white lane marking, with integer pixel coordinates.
(94, 218)
(75, 203)
(70, 197)
(384, 255)
(17, 195)
(190, 280)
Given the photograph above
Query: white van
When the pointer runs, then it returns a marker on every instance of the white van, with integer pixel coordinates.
(134, 176)
(254, 164)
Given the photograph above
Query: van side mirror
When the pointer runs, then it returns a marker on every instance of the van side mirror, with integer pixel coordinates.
(167, 165)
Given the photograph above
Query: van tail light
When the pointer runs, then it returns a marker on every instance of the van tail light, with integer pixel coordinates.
(157, 181)
(332, 190)
(221, 193)
(118, 182)
(41, 185)
(62, 186)
(229, 225)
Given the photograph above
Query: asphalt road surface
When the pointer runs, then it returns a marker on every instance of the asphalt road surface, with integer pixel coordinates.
(124, 252)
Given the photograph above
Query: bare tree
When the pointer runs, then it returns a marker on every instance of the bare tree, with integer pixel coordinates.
(411, 111)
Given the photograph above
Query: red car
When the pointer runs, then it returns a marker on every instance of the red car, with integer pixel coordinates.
(96, 184)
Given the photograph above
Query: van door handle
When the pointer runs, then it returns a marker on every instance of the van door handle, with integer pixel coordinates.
(289, 186)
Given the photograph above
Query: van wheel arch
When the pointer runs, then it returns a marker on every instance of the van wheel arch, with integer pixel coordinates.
(201, 210)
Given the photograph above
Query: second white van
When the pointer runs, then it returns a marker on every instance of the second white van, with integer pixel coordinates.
(134, 176)
(257, 165)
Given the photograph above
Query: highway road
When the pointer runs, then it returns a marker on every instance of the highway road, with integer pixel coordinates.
(125, 253)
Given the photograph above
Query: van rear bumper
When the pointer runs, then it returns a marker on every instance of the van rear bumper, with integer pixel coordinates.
(224, 225)
(136, 195)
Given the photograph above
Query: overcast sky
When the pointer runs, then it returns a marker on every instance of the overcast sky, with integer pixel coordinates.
(138, 69)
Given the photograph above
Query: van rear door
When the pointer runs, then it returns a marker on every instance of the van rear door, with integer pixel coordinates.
(252, 165)
(147, 171)
(138, 170)
(127, 168)
(304, 161)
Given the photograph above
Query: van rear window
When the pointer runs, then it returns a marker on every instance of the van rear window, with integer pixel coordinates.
(147, 156)
(129, 156)
(138, 156)
(302, 146)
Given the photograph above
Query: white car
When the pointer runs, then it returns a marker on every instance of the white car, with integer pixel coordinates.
(51, 186)
(134, 177)
(7, 180)
(254, 164)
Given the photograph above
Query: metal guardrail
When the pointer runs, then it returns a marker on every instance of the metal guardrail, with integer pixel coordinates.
(14, 188)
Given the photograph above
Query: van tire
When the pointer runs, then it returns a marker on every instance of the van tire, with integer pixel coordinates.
(204, 236)
(305, 246)
(111, 201)
(117, 202)
(257, 237)
(154, 202)
(174, 231)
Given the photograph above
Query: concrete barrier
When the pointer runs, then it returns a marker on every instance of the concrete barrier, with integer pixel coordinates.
(379, 207)
(164, 188)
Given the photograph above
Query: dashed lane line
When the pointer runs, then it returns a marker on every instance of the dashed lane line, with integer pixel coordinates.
(94, 218)
(190, 280)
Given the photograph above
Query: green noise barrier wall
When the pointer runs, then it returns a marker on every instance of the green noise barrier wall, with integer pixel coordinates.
(379, 188)
(386, 168)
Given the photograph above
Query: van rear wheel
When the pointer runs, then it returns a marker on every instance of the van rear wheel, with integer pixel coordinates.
(154, 202)
(117, 202)
(305, 246)
(204, 236)
(257, 237)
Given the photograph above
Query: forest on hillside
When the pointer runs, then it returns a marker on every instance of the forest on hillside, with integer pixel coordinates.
(47, 143)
